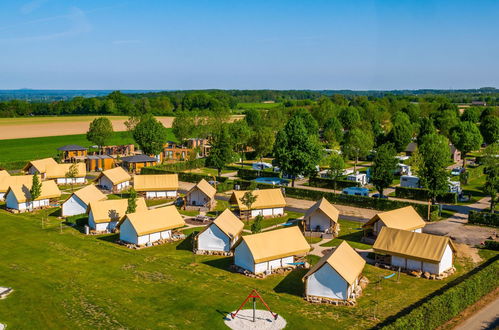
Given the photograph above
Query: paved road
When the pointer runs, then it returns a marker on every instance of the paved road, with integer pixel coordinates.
(486, 318)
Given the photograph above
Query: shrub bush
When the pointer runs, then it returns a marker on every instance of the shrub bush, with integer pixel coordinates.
(330, 183)
(483, 218)
(182, 166)
(182, 176)
(421, 194)
(442, 307)
(491, 245)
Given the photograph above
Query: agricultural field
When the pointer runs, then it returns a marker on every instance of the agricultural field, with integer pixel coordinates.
(64, 279)
(257, 106)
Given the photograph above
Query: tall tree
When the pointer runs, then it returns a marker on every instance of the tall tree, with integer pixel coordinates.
(150, 135)
(401, 133)
(333, 132)
(349, 117)
(241, 134)
(471, 114)
(433, 174)
(100, 131)
(384, 166)
(36, 188)
(466, 137)
(295, 151)
(336, 167)
(132, 201)
(491, 170)
(184, 125)
(426, 127)
(489, 127)
(248, 200)
(262, 140)
(72, 173)
(221, 149)
(356, 144)
(308, 120)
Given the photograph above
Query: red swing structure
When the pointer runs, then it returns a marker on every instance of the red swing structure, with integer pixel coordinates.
(254, 295)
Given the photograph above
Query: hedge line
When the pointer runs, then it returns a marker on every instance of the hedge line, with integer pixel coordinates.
(248, 174)
(182, 166)
(491, 245)
(483, 218)
(421, 194)
(330, 183)
(443, 307)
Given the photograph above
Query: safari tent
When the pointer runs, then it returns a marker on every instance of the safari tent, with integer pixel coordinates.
(202, 195)
(105, 215)
(145, 227)
(49, 169)
(18, 197)
(115, 179)
(268, 203)
(259, 253)
(221, 234)
(336, 275)
(322, 217)
(78, 202)
(156, 185)
(405, 218)
(6, 181)
(415, 251)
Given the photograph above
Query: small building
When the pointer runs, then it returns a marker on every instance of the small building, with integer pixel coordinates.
(146, 227)
(201, 195)
(336, 276)
(137, 162)
(202, 145)
(104, 216)
(415, 251)
(405, 218)
(356, 191)
(156, 185)
(411, 148)
(360, 178)
(322, 217)
(455, 155)
(221, 234)
(175, 152)
(115, 179)
(269, 250)
(268, 203)
(120, 150)
(18, 197)
(6, 180)
(78, 202)
(49, 169)
(72, 153)
(409, 181)
(40, 166)
(479, 103)
(99, 163)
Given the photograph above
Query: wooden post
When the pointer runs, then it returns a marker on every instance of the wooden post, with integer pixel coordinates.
(429, 209)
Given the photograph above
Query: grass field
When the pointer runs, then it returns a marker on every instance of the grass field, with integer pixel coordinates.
(351, 232)
(16, 152)
(258, 106)
(69, 280)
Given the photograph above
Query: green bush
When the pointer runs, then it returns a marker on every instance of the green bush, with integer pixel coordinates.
(483, 218)
(491, 245)
(421, 194)
(330, 183)
(442, 307)
(182, 166)
(182, 176)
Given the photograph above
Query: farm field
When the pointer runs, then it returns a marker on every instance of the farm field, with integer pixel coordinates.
(23, 150)
(26, 127)
(69, 280)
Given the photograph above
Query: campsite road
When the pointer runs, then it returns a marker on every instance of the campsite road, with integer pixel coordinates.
(486, 318)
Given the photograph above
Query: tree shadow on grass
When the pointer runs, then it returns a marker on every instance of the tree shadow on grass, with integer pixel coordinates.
(352, 237)
(187, 244)
(221, 263)
(292, 284)
(56, 213)
(110, 238)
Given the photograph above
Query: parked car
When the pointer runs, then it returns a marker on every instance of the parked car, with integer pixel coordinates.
(379, 196)
(457, 171)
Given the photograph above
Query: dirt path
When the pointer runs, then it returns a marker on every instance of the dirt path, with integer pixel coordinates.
(318, 250)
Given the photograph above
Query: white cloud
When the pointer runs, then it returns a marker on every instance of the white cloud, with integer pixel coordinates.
(31, 6)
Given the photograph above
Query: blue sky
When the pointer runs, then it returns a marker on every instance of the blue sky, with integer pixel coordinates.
(153, 44)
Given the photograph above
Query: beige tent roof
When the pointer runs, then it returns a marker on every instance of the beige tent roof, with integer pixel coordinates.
(60, 170)
(326, 207)
(156, 220)
(229, 223)
(205, 187)
(42, 165)
(4, 173)
(265, 198)
(116, 175)
(113, 209)
(22, 193)
(408, 244)
(90, 194)
(7, 181)
(275, 244)
(155, 182)
(344, 259)
(405, 218)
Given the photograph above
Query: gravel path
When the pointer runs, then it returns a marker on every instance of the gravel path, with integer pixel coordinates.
(264, 320)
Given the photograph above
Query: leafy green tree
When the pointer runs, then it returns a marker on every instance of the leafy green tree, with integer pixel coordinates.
(324, 111)
(184, 125)
(466, 137)
(295, 151)
(308, 120)
(471, 114)
(356, 144)
(433, 174)
(401, 133)
(426, 127)
(262, 140)
(36, 188)
(333, 132)
(241, 135)
(336, 167)
(248, 200)
(221, 149)
(489, 127)
(72, 173)
(100, 131)
(384, 166)
(150, 135)
(256, 226)
(253, 117)
(446, 120)
(491, 170)
(349, 117)
(132, 201)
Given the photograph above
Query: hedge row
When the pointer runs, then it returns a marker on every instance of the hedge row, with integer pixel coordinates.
(421, 194)
(182, 166)
(443, 307)
(182, 176)
(330, 183)
(483, 218)
(491, 245)
(248, 174)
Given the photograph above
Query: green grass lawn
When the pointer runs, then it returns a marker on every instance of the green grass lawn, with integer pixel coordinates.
(267, 222)
(351, 232)
(189, 213)
(209, 171)
(257, 105)
(69, 280)
(219, 208)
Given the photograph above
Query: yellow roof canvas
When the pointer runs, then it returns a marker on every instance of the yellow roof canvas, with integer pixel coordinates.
(155, 182)
(326, 207)
(4, 173)
(116, 175)
(205, 187)
(229, 223)
(156, 220)
(7, 181)
(89, 194)
(22, 191)
(265, 198)
(60, 170)
(41, 165)
(405, 218)
(408, 244)
(113, 209)
(275, 244)
(344, 260)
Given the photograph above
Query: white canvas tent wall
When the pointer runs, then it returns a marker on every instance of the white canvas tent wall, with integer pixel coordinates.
(221, 234)
(405, 218)
(115, 179)
(18, 197)
(322, 217)
(156, 185)
(106, 214)
(202, 194)
(78, 202)
(268, 203)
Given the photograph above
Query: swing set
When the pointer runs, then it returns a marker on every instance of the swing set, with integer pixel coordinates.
(254, 295)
